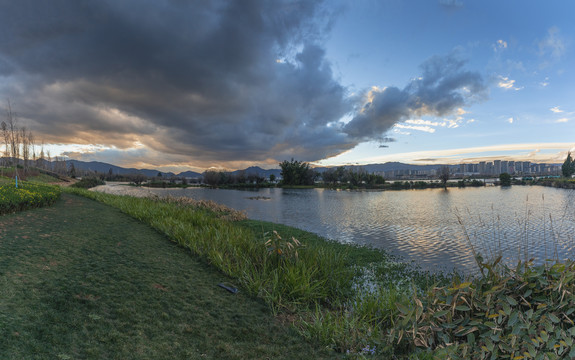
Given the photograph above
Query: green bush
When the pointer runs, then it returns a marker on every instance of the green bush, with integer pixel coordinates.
(88, 182)
(523, 313)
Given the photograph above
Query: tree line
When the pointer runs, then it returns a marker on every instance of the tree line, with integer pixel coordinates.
(225, 178)
(19, 150)
(19, 144)
(299, 173)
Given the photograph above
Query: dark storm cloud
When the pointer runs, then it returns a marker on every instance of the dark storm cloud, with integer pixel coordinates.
(443, 87)
(200, 77)
(212, 80)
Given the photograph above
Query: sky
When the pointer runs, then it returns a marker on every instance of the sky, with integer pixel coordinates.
(179, 85)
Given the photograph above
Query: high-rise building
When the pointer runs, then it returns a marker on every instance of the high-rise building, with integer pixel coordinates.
(482, 167)
(489, 168)
(497, 167)
(511, 166)
(526, 167)
(504, 166)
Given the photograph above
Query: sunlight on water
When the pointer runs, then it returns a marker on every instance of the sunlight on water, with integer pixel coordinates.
(418, 225)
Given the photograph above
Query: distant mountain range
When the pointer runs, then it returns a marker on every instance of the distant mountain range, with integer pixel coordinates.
(105, 168)
(102, 167)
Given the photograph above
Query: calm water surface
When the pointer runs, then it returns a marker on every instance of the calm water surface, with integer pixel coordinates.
(437, 229)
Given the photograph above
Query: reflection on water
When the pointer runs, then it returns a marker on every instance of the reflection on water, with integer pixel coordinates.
(419, 225)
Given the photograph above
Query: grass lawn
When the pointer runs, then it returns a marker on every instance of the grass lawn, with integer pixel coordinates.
(81, 280)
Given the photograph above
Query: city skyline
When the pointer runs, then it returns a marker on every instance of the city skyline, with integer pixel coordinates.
(192, 85)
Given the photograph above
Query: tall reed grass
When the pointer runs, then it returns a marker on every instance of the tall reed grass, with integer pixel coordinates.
(285, 283)
(387, 309)
(536, 236)
(332, 301)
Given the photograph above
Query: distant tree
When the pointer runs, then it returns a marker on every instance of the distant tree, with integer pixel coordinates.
(505, 179)
(72, 170)
(240, 177)
(254, 178)
(297, 173)
(444, 175)
(272, 178)
(374, 179)
(329, 176)
(356, 176)
(137, 179)
(159, 174)
(568, 167)
(13, 133)
(60, 166)
(342, 175)
(211, 177)
(6, 138)
(41, 162)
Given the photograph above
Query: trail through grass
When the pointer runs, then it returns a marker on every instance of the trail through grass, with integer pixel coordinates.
(81, 280)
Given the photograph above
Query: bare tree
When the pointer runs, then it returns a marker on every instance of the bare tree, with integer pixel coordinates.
(13, 134)
(6, 138)
(41, 161)
(60, 166)
(49, 158)
(32, 146)
(23, 142)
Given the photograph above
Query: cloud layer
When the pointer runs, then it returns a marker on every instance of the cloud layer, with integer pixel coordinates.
(208, 81)
(443, 88)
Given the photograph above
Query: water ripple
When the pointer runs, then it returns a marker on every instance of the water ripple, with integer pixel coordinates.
(436, 228)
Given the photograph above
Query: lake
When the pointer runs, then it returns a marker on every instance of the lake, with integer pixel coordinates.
(438, 229)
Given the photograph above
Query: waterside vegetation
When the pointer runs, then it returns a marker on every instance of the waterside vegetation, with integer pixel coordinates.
(363, 302)
(82, 280)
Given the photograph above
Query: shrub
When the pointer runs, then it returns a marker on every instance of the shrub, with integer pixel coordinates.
(523, 313)
(88, 182)
(27, 195)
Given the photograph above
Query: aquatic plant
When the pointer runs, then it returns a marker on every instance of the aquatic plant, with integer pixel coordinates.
(526, 312)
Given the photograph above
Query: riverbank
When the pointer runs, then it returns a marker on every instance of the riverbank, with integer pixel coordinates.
(81, 279)
(299, 278)
(420, 225)
(387, 310)
(558, 183)
(412, 315)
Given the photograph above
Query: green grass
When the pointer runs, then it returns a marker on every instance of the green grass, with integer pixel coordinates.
(374, 304)
(284, 281)
(81, 280)
(308, 283)
(42, 179)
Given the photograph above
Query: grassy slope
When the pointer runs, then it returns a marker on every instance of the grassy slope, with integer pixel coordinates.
(82, 280)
